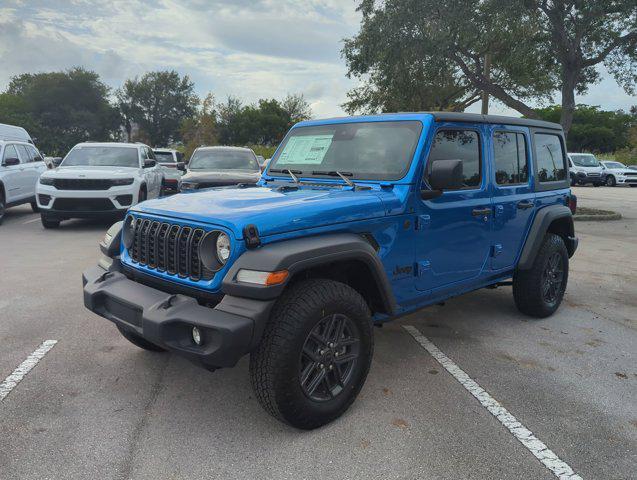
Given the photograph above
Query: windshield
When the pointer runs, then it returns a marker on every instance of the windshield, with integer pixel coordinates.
(366, 150)
(86, 156)
(585, 160)
(164, 157)
(219, 159)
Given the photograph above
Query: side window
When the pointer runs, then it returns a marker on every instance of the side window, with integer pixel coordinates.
(9, 152)
(549, 155)
(510, 156)
(35, 155)
(459, 145)
(150, 154)
(25, 156)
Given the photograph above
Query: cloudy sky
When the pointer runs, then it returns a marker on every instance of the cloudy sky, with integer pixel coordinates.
(247, 48)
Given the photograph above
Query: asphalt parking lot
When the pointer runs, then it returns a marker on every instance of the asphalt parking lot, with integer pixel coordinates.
(95, 406)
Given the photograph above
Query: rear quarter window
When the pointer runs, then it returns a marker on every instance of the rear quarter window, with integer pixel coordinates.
(550, 158)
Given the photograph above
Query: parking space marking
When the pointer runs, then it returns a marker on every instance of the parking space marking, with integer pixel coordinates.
(31, 221)
(25, 367)
(549, 459)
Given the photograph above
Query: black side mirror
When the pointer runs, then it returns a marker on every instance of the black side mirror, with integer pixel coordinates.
(149, 163)
(445, 175)
(181, 166)
(11, 161)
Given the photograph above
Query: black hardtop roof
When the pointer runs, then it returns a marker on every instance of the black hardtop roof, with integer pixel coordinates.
(494, 119)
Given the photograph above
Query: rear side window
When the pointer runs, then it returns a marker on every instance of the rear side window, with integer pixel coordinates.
(549, 155)
(461, 145)
(509, 153)
(34, 154)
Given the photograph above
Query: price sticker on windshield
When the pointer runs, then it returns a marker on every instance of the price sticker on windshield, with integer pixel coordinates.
(305, 150)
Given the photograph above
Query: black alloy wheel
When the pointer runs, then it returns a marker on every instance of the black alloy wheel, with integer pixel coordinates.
(329, 357)
(552, 278)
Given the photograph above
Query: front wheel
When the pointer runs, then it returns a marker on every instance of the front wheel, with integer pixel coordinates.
(610, 181)
(315, 353)
(538, 292)
(34, 207)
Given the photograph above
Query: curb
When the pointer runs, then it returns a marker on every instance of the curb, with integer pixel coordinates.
(598, 218)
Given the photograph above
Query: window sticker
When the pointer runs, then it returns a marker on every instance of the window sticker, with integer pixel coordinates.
(305, 150)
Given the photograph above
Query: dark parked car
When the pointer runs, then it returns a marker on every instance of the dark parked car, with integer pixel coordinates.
(220, 167)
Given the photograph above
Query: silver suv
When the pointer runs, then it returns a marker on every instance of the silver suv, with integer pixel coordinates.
(20, 167)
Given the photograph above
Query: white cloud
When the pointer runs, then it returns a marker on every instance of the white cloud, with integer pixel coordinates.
(247, 48)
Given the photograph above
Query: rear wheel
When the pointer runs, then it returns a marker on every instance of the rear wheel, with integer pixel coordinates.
(315, 353)
(538, 292)
(139, 341)
(49, 222)
(610, 181)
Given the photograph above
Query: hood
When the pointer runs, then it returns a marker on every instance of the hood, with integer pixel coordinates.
(587, 169)
(271, 210)
(221, 177)
(91, 172)
(621, 170)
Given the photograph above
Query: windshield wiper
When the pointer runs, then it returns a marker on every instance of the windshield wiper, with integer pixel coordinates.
(336, 173)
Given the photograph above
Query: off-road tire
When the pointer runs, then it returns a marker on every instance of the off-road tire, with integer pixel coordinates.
(275, 366)
(139, 341)
(48, 222)
(527, 284)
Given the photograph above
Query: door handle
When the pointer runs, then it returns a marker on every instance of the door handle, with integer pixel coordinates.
(524, 204)
(480, 212)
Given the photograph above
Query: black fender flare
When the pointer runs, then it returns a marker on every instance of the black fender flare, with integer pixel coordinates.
(543, 220)
(300, 254)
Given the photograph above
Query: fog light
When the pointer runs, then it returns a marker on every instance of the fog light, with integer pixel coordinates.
(196, 336)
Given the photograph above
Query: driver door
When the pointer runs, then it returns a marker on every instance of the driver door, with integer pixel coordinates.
(453, 241)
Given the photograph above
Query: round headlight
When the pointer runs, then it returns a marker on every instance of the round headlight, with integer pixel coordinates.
(223, 247)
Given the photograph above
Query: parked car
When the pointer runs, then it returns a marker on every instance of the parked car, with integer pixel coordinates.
(619, 174)
(356, 221)
(98, 179)
(585, 168)
(20, 168)
(219, 167)
(173, 163)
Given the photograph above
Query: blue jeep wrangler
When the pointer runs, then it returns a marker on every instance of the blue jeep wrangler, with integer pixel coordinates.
(355, 222)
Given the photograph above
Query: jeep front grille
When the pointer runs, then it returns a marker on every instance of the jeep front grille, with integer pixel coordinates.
(168, 248)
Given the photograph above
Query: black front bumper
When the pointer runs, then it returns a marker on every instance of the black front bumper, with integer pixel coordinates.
(229, 330)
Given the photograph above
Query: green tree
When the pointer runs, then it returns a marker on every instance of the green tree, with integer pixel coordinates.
(593, 129)
(263, 123)
(60, 109)
(536, 48)
(202, 128)
(158, 103)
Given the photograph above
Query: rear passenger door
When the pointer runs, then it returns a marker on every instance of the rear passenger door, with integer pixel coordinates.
(454, 230)
(13, 175)
(33, 167)
(513, 197)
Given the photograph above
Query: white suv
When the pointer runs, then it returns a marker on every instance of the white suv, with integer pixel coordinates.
(619, 174)
(20, 168)
(97, 179)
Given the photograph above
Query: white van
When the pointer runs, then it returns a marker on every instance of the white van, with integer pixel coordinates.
(14, 134)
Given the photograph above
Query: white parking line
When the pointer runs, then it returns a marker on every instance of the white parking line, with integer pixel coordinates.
(25, 367)
(31, 221)
(551, 461)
